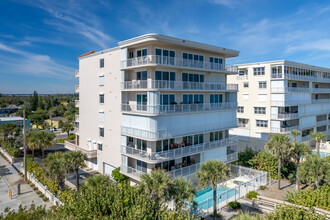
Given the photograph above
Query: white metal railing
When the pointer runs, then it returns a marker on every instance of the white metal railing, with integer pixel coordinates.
(284, 130)
(77, 74)
(321, 90)
(131, 172)
(77, 88)
(178, 152)
(242, 125)
(77, 118)
(178, 108)
(318, 101)
(320, 123)
(73, 147)
(285, 116)
(177, 62)
(176, 132)
(299, 77)
(177, 85)
(290, 89)
(290, 103)
(76, 103)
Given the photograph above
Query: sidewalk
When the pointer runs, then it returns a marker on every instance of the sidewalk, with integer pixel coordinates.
(9, 178)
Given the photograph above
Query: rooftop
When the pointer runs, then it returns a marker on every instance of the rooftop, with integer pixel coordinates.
(11, 118)
(57, 119)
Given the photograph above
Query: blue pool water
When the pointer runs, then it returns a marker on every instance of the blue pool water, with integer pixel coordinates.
(322, 154)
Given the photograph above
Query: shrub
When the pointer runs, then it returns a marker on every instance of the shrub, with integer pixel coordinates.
(262, 187)
(266, 162)
(234, 205)
(245, 156)
(218, 215)
(72, 137)
(293, 212)
(61, 140)
(38, 192)
(13, 151)
(252, 195)
(35, 188)
(41, 195)
(118, 177)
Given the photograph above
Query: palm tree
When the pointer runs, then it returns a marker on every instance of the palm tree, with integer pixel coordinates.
(75, 160)
(279, 146)
(67, 127)
(56, 167)
(182, 190)
(317, 137)
(212, 172)
(45, 139)
(295, 133)
(298, 151)
(156, 186)
(32, 141)
(96, 180)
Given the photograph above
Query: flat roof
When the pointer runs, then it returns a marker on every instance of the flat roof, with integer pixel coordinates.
(16, 118)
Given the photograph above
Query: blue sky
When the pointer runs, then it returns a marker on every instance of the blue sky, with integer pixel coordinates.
(41, 39)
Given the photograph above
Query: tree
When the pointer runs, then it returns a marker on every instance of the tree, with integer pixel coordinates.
(315, 170)
(32, 141)
(279, 146)
(182, 191)
(56, 167)
(245, 156)
(156, 186)
(8, 128)
(34, 101)
(295, 133)
(45, 139)
(298, 151)
(212, 172)
(96, 180)
(67, 127)
(75, 160)
(118, 177)
(317, 137)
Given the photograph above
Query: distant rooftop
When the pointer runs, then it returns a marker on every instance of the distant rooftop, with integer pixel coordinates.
(16, 118)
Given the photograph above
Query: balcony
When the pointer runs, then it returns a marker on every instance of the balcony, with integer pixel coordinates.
(77, 74)
(131, 172)
(306, 138)
(321, 123)
(73, 147)
(177, 108)
(290, 89)
(181, 151)
(285, 116)
(290, 103)
(154, 60)
(77, 118)
(77, 103)
(177, 86)
(175, 132)
(320, 90)
(320, 101)
(284, 130)
(299, 77)
(77, 89)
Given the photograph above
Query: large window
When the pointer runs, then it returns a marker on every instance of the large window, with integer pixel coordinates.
(165, 76)
(101, 131)
(141, 75)
(141, 53)
(141, 144)
(166, 99)
(262, 85)
(164, 56)
(141, 101)
(165, 145)
(141, 166)
(240, 109)
(262, 123)
(101, 98)
(193, 139)
(216, 63)
(260, 110)
(215, 98)
(191, 77)
(215, 136)
(193, 98)
(194, 60)
(259, 71)
(101, 63)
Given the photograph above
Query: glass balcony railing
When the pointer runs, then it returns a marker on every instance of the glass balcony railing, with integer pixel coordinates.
(177, 62)
(285, 116)
(177, 85)
(290, 89)
(178, 108)
(284, 130)
(300, 77)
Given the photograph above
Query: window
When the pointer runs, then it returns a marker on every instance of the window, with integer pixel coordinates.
(141, 75)
(100, 146)
(130, 55)
(141, 100)
(193, 98)
(262, 123)
(166, 99)
(193, 60)
(260, 110)
(165, 145)
(101, 116)
(165, 76)
(141, 53)
(215, 136)
(262, 97)
(194, 139)
(101, 131)
(240, 109)
(263, 85)
(215, 98)
(101, 63)
(245, 97)
(246, 84)
(101, 98)
(141, 144)
(241, 72)
(101, 80)
(190, 77)
(259, 71)
(141, 166)
(164, 56)
(216, 63)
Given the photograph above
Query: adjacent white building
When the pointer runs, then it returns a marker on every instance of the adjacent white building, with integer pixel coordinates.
(279, 96)
(156, 102)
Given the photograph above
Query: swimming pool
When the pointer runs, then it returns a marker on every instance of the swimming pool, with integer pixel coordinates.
(322, 154)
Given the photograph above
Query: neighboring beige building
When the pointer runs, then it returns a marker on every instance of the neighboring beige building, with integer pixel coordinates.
(156, 102)
(279, 96)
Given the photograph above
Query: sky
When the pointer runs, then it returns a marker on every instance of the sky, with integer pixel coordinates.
(41, 39)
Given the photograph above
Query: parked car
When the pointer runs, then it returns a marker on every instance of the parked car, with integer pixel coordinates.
(28, 150)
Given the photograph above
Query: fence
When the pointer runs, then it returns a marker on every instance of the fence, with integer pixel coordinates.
(255, 178)
(43, 188)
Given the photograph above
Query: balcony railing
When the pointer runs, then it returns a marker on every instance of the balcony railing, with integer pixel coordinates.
(290, 103)
(318, 101)
(284, 130)
(179, 152)
(306, 138)
(176, 132)
(77, 74)
(178, 108)
(73, 147)
(285, 116)
(77, 89)
(321, 90)
(77, 103)
(77, 118)
(243, 125)
(321, 123)
(176, 62)
(299, 77)
(290, 89)
(176, 85)
(131, 172)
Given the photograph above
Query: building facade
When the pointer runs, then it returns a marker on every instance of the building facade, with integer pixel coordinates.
(278, 97)
(19, 121)
(156, 102)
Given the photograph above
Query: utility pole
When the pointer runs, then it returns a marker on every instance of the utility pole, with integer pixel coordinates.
(24, 145)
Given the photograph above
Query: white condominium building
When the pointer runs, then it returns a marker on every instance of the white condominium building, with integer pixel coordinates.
(156, 102)
(279, 96)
